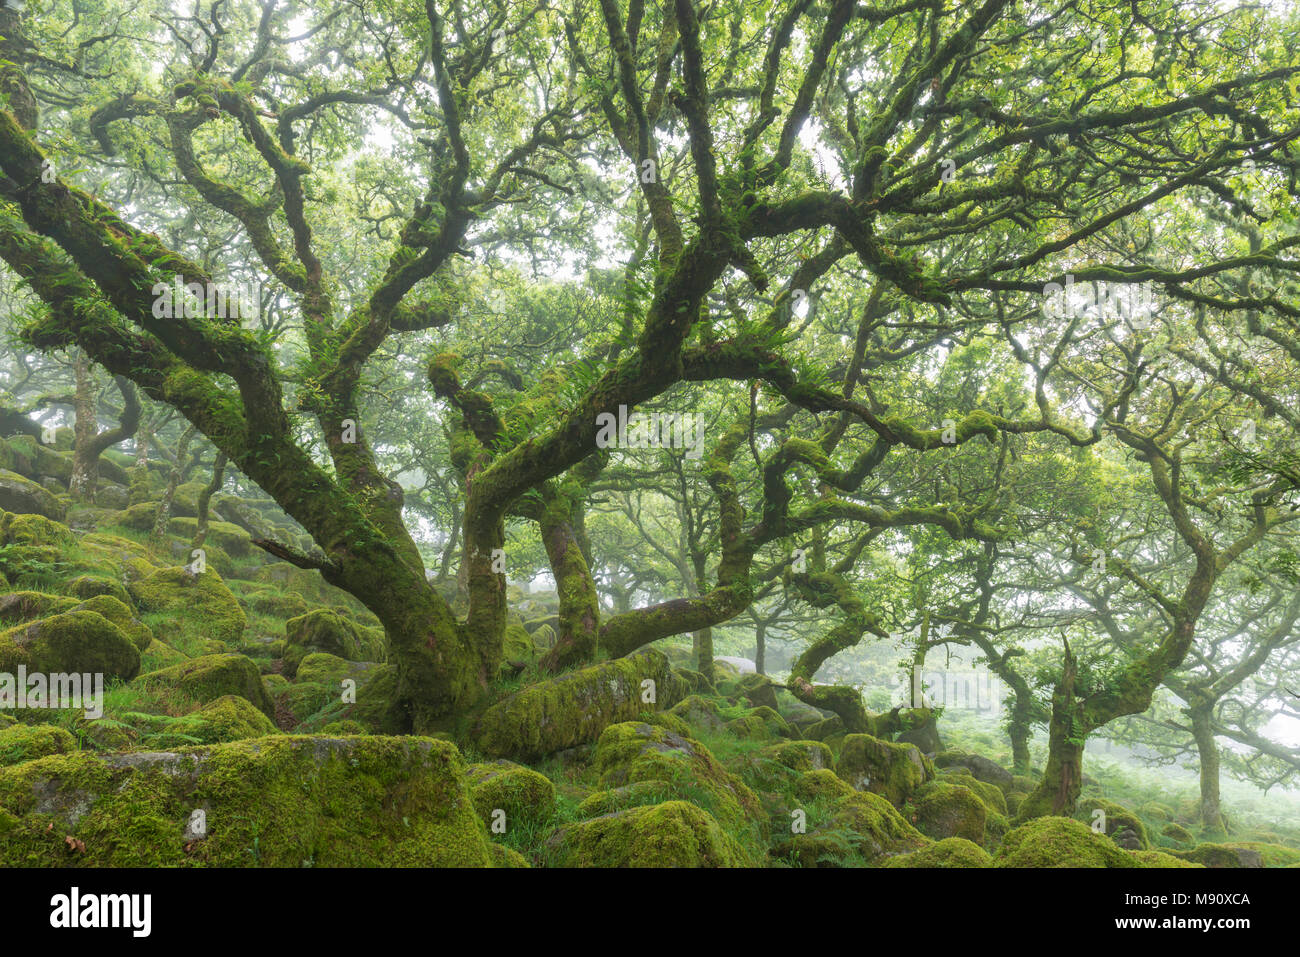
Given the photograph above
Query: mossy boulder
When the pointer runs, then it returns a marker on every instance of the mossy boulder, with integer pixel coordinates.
(503, 856)
(860, 825)
(203, 600)
(1221, 855)
(120, 615)
(79, 641)
(980, 767)
(23, 496)
(574, 708)
(672, 834)
(1160, 859)
(1271, 854)
(778, 766)
(944, 809)
(758, 690)
(325, 630)
(209, 677)
(272, 802)
(824, 729)
(91, 586)
(1117, 820)
(821, 785)
(230, 718)
(1059, 842)
(994, 798)
(521, 793)
(1178, 834)
(26, 742)
(621, 798)
(278, 604)
(759, 723)
(634, 751)
(699, 712)
(950, 852)
(891, 770)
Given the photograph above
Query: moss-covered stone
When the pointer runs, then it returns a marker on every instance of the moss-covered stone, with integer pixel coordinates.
(980, 767)
(1178, 834)
(672, 834)
(203, 600)
(325, 630)
(79, 641)
(699, 712)
(634, 751)
(339, 728)
(23, 496)
(861, 826)
(26, 742)
(994, 798)
(882, 767)
(503, 856)
(950, 852)
(1159, 859)
(209, 677)
(274, 802)
(90, 586)
(120, 615)
(1059, 842)
(820, 785)
(1117, 818)
(944, 809)
(230, 718)
(621, 798)
(524, 795)
(574, 708)
(778, 766)
(1220, 855)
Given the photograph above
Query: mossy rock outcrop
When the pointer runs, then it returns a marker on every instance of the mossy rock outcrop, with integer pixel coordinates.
(1178, 834)
(1221, 855)
(202, 600)
(821, 785)
(26, 742)
(759, 723)
(860, 825)
(77, 641)
(699, 712)
(23, 496)
(521, 793)
(636, 794)
(1059, 842)
(325, 630)
(1117, 820)
(1160, 859)
(980, 767)
(634, 751)
(778, 766)
(944, 809)
(270, 802)
(672, 834)
(994, 798)
(209, 677)
(950, 852)
(574, 708)
(891, 770)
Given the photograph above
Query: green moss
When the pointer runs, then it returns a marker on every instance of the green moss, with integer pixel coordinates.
(882, 767)
(231, 718)
(861, 826)
(120, 615)
(672, 834)
(820, 785)
(503, 856)
(202, 601)
(211, 676)
(276, 802)
(1059, 842)
(340, 728)
(950, 852)
(635, 751)
(1178, 834)
(636, 794)
(25, 742)
(944, 809)
(74, 641)
(779, 766)
(573, 708)
(1273, 855)
(325, 630)
(994, 798)
(1159, 859)
(1117, 818)
(1211, 855)
(524, 795)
